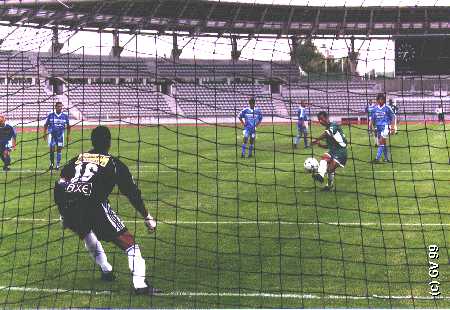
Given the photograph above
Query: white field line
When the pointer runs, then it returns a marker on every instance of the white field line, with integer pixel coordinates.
(244, 222)
(223, 294)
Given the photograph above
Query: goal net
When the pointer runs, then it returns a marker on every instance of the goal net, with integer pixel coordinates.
(241, 223)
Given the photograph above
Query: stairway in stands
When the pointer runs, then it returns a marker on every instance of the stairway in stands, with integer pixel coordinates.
(174, 108)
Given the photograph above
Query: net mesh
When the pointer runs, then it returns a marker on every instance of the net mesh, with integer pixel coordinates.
(232, 231)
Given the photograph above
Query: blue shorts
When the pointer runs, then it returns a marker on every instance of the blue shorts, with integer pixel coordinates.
(302, 128)
(6, 146)
(55, 140)
(249, 132)
(382, 131)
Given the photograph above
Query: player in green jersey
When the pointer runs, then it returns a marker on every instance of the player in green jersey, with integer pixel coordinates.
(336, 143)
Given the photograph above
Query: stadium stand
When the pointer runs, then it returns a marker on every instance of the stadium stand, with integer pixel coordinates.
(117, 101)
(202, 88)
(26, 102)
(221, 100)
(88, 66)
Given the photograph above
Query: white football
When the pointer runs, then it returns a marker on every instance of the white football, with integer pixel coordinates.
(311, 164)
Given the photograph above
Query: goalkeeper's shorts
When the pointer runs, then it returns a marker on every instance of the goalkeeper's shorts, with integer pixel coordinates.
(101, 219)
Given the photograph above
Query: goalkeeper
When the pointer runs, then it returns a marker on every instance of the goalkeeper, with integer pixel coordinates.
(81, 195)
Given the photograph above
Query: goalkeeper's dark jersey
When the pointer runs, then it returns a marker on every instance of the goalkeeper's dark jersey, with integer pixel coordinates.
(90, 177)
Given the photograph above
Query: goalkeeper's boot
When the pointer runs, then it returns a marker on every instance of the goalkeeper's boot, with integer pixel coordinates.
(108, 276)
(6, 168)
(318, 177)
(149, 290)
(50, 167)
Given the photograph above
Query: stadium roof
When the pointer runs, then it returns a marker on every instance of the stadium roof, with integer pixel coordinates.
(224, 18)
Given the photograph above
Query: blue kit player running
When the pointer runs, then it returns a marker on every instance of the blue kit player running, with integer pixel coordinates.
(54, 128)
(302, 125)
(250, 118)
(383, 118)
(7, 142)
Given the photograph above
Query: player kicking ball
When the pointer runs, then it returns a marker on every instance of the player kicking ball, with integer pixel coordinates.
(383, 118)
(54, 127)
(250, 118)
(7, 142)
(81, 195)
(337, 150)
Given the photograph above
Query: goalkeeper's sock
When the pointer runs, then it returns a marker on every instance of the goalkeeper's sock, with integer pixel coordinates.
(386, 153)
(380, 151)
(58, 158)
(322, 168)
(137, 266)
(244, 147)
(52, 157)
(96, 251)
(250, 150)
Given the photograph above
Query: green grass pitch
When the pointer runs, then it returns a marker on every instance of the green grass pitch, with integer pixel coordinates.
(239, 232)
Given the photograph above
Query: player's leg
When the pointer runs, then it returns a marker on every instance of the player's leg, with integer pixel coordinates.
(244, 143)
(58, 156)
(381, 144)
(136, 263)
(305, 136)
(297, 137)
(252, 144)
(332, 165)
(97, 253)
(51, 145)
(59, 147)
(6, 159)
(323, 168)
(110, 227)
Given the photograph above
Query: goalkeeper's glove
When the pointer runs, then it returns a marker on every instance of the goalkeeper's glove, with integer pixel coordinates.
(150, 222)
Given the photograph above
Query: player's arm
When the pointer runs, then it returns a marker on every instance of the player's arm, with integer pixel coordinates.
(68, 129)
(392, 117)
(260, 118)
(46, 128)
(13, 138)
(128, 188)
(241, 118)
(320, 138)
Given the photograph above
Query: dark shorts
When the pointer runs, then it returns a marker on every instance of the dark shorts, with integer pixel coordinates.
(340, 157)
(101, 219)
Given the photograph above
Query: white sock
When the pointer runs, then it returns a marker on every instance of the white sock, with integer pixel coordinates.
(137, 266)
(96, 251)
(322, 168)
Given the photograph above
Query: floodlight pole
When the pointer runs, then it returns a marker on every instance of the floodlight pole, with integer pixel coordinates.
(56, 47)
(294, 49)
(176, 52)
(116, 49)
(235, 53)
(352, 57)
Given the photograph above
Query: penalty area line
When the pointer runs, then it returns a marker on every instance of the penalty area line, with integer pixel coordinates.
(220, 294)
(244, 222)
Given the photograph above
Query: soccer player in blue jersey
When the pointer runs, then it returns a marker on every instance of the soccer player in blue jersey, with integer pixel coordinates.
(383, 118)
(55, 125)
(250, 118)
(302, 124)
(7, 142)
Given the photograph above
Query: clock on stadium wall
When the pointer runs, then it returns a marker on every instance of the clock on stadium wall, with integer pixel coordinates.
(422, 56)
